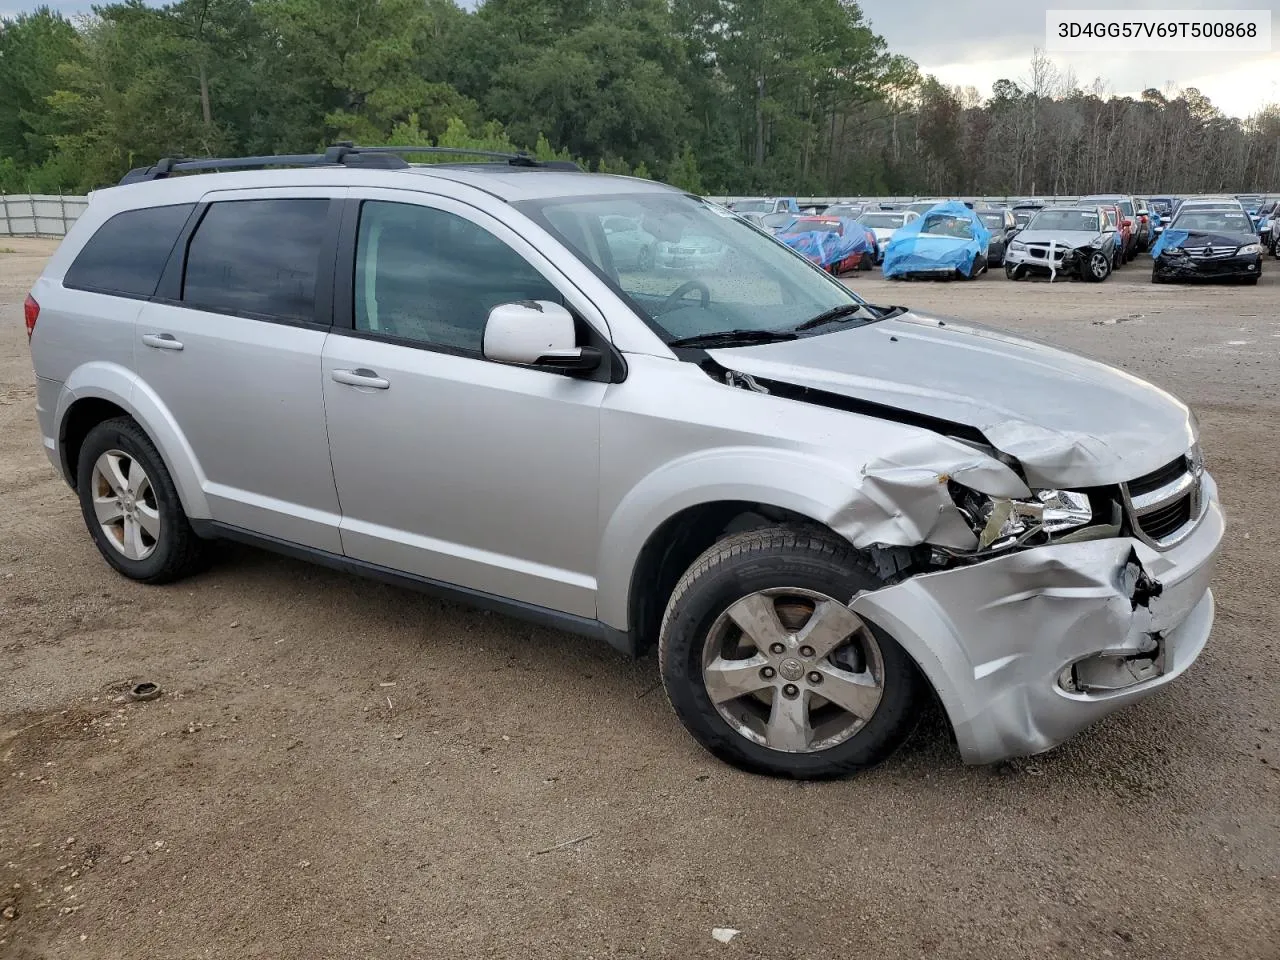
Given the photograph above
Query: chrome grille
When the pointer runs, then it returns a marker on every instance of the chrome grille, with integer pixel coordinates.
(1210, 253)
(1164, 504)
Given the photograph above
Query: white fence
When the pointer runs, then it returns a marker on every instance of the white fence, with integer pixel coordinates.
(38, 215)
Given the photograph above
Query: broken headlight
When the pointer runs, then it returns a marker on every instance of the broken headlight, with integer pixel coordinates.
(1000, 522)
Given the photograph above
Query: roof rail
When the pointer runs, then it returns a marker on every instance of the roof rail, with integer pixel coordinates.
(340, 154)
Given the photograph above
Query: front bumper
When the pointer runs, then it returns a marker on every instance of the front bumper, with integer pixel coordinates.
(1036, 259)
(1188, 268)
(999, 640)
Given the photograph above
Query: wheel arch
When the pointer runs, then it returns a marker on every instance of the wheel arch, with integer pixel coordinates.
(101, 391)
(682, 508)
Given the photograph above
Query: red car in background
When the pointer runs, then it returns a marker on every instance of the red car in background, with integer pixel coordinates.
(819, 224)
(1124, 226)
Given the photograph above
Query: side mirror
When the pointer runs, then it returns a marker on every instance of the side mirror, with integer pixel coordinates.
(537, 333)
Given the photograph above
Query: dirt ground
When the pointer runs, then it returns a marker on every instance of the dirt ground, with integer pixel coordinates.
(342, 769)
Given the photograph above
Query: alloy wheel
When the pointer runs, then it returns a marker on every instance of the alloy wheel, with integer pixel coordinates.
(793, 670)
(124, 503)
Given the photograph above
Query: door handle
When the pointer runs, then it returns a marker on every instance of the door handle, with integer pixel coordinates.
(361, 377)
(162, 341)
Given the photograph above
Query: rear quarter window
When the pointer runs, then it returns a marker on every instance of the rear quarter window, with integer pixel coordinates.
(127, 254)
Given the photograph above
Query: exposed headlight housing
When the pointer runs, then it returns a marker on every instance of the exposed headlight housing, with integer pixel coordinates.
(1173, 251)
(1249, 248)
(1001, 523)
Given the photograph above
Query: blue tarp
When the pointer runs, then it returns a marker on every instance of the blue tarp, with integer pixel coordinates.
(912, 250)
(1170, 238)
(827, 248)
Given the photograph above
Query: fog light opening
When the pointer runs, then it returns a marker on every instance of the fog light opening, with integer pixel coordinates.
(1107, 672)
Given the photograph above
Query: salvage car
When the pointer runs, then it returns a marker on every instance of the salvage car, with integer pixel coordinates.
(1268, 213)
(1208, 244)
(1123, 228)
(823, 513)
(630, 244)
(949, 241)
(843, 209)
(834, 244)
(1075, 241)
(1138, 237)
(1003, 228)
(884, 223)
(766, 205)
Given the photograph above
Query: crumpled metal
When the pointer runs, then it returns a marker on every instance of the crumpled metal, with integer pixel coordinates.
(904, 500)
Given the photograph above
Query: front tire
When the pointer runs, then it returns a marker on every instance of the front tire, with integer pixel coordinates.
(1097, 268)
(131, 506)
(1011, 272)
(768, 669)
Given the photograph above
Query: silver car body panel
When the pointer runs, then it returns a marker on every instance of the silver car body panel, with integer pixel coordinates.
(1055, 411)
(545, 489)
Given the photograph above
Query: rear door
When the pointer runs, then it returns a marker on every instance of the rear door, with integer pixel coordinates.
(232, 349)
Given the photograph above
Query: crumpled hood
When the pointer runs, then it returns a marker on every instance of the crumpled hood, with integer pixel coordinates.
(1063, 238)
(1070, 422)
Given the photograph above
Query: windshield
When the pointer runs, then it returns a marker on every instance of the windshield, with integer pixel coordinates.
(882, 219)
(691, 269)
(993, 220)
(923, 205)
(843, 210)
(1085, 220)
(1222, 221)
(752, 206)
(946, 225)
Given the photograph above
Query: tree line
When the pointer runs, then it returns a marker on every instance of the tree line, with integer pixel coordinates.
(716, 96)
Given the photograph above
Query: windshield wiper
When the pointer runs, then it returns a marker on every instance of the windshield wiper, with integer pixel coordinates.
(835, 313)
(732, 338)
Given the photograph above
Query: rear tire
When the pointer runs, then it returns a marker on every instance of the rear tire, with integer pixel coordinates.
(131, 506)
(777, 580)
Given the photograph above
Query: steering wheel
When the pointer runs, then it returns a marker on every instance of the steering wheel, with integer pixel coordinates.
(678, 293)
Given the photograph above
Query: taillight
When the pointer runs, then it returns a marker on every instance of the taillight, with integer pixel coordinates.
(31, 312)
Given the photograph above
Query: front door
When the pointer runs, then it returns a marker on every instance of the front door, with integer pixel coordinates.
(449, 466)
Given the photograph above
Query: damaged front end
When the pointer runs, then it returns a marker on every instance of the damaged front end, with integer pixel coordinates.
(1033, 607)
(1029, 648)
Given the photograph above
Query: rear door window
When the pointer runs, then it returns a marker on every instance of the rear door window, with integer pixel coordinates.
(127, 254)
(257, 258)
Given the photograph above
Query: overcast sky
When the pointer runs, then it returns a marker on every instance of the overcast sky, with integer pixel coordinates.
(976, 42)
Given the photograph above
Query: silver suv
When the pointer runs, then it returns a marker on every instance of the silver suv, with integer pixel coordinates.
(821, 512)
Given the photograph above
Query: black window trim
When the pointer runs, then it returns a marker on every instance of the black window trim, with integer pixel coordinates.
(613, 368)
(122, 294)
(169, 290)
